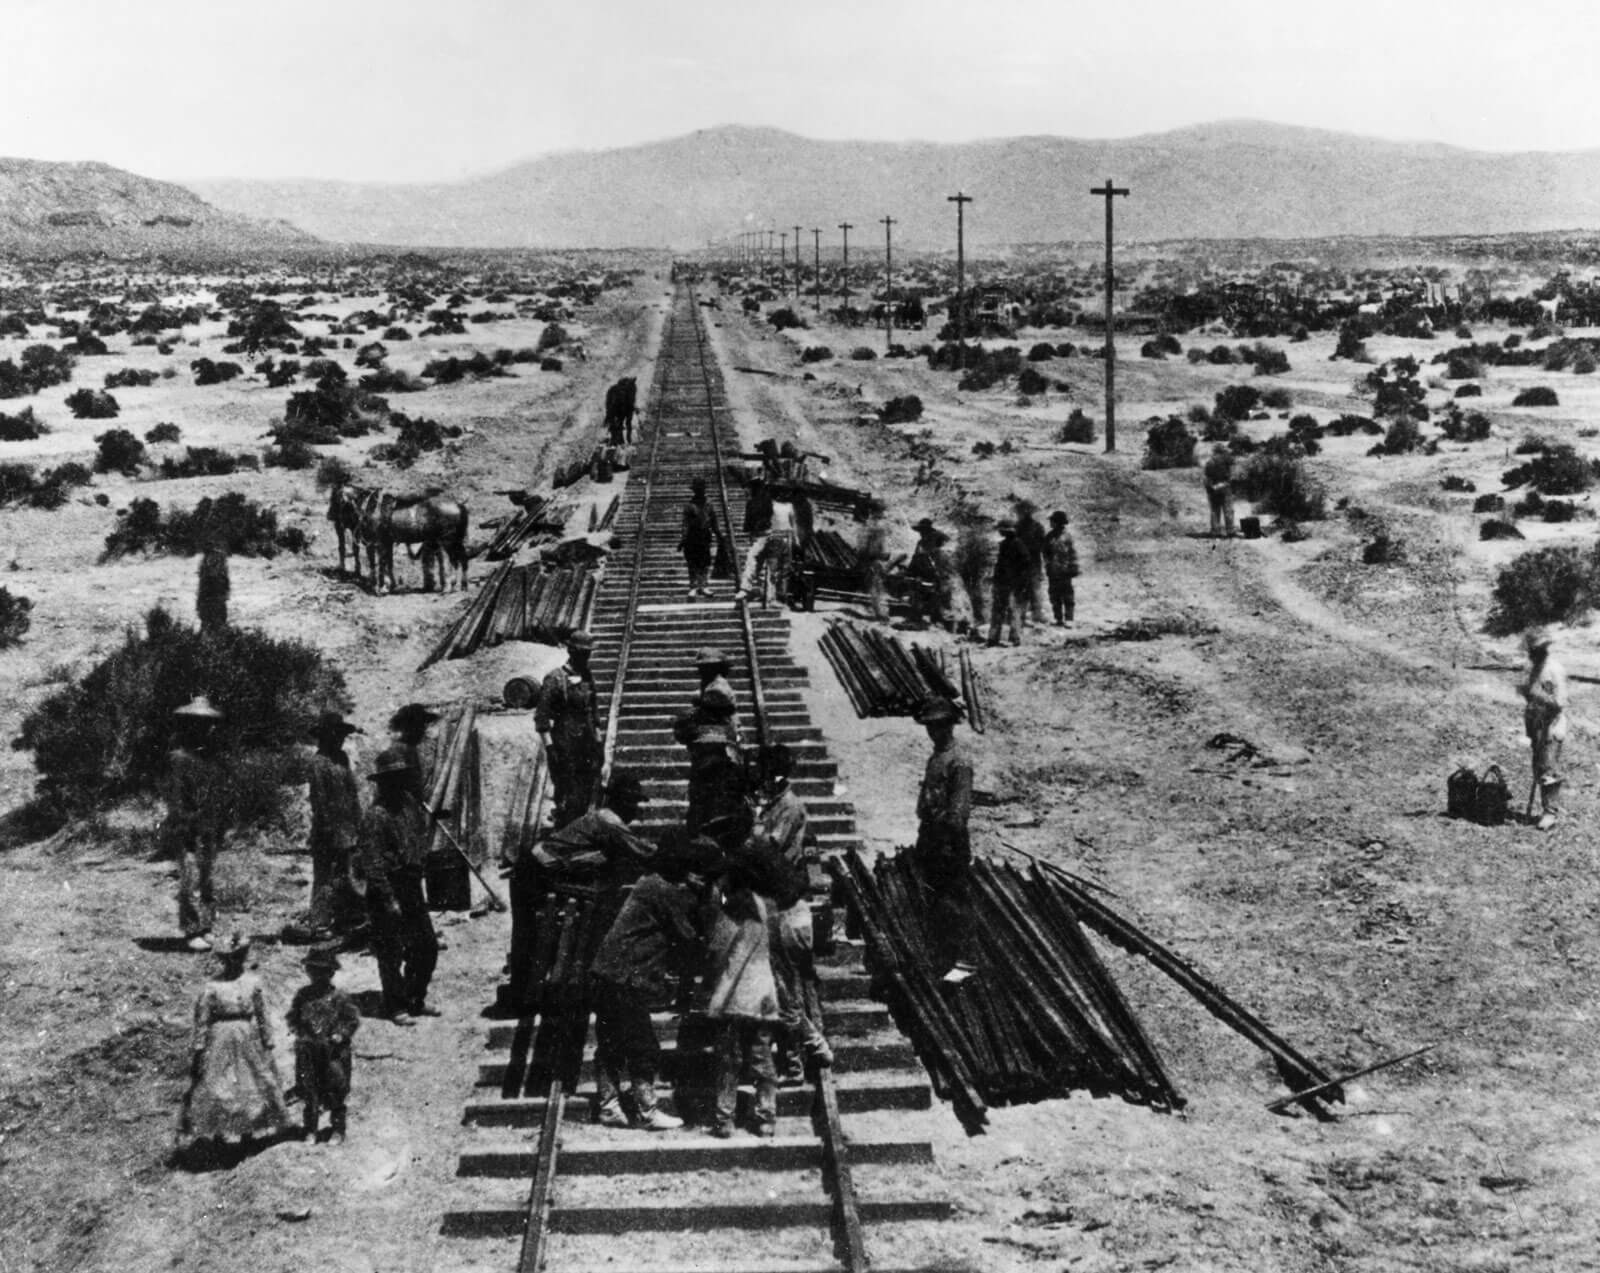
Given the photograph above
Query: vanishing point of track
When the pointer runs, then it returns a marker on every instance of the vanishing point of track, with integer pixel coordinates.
(843, 1169)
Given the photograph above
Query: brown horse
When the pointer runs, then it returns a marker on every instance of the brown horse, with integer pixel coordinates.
(344, 511)
(436, 522)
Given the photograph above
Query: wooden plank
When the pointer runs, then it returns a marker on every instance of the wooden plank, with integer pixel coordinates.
(690, 1153)
(536, 1229)
(851, 1244)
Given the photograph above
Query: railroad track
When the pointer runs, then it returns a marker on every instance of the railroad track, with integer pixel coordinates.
(846, 1177)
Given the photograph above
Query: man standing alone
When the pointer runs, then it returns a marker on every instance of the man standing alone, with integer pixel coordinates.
(1544, 689)
(569, 726)
(943, 852)
(402, 937)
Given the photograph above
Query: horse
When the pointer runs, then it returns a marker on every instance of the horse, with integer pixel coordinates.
(344, 511)
(436, 522)
(621, 402)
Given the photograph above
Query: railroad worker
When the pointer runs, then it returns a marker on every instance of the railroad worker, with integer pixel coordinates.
(943, 851)
(234, 1088)
(568, 721)
(335, 828)
(1032, 536)
(743, 1002)
(393, 843)
(710, 730)
(773, 553)
(1218, 477)
(197, 817)
(1009, 603)
(1544, 690)
(698, 542)
(447, 882)
(323, 1020)
(875, 555)
(1061, 568)
(659, 934)
(780, 831)
(408, 728)
(925, 571)
(758, 506)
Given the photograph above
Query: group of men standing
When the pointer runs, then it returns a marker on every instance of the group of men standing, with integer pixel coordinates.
(367, 867)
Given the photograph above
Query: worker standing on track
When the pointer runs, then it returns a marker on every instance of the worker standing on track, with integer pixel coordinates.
(660, 933)
(773, 553)
(567, 720)
(710, 730)
(699, 539)
(1544, 689)
(943, 852)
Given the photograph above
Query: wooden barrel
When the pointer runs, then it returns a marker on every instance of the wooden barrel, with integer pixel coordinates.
(520, 692)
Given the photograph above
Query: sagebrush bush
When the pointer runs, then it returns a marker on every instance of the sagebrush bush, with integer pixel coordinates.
(1403, 436)
(1236, 402)
(1536, 396)
(1169, 445)
(1031, 382)
(22, 427)
(902, 410)
(332, 471)
(240, 525)
(92, 404)
(130, 378)
(164, 432)
(1277, 482)
(16, 616)
(119, 452)
(202, 461)
(106, 736)
(552, 337)
(785, 318)
(1076, 428)
(1547, 585)
(207, 372)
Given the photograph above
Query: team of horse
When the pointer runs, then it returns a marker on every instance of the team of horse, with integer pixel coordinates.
(376, 521)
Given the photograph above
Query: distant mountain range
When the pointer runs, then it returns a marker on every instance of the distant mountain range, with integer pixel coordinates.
(1239, 179)
(86, 207)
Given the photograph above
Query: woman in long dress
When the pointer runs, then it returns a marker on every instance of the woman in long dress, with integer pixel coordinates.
(743, 1005)
(234, 1086)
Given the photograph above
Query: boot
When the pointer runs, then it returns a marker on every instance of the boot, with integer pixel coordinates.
(308, 1120)
(611, 1113)
(651, 1117)
(336, 1123)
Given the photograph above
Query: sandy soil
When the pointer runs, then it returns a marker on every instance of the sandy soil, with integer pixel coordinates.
(1320, 884)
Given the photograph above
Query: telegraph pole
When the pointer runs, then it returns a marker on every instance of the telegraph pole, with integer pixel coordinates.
(888, 283)
(1110, 192)
(845, 269)
(783, 257)
(797, 291)
(960, 200)
(816, 268)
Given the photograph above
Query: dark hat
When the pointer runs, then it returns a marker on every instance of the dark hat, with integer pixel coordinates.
(321, 957)
(199, 708)
(580, 641)
(925, 525)
(333, 725)
(707, 657)
(776, 761)
(701, 855)
(626, 787)
(390, 761)
(1005, 524)
(938, 711)
(698, 486)
(412, 716)
(1058, 518)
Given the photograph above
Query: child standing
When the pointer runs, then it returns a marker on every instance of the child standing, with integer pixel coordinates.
(323, 1019)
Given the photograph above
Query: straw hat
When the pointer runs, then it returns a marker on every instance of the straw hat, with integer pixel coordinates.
(938, 711)
(707, 657)
(199, 708)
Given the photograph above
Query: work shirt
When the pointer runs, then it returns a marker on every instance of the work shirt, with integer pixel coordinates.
(782, 822)
(1218, 472)
(1032, 536)
(710, 725)
(659, 931)
(699, 528)
(335, 802)
(392, 842)
(593, 845)
(323, 1014)
(196, 810)
(1544, 686)
(1060, 554)
(567, 709)
(782, 518)
(944, 803)
(1011, 565)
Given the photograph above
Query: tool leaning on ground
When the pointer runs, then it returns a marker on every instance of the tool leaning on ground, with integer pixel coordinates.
(495, 901)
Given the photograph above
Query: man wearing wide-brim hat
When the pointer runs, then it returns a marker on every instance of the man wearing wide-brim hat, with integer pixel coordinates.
(1544, 691)
(335, 827)
(710, 730)
(1010, 597)
(567, 719)
(943, 852)
(410, 726)
(196, 814)
(401, 932)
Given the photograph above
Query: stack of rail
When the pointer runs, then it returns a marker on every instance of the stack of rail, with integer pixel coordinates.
(539, 515)
(1054, 1020)
(520, 603)
(882, 677)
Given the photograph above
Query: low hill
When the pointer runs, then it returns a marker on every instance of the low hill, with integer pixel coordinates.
(49, 208)
(1240, 179)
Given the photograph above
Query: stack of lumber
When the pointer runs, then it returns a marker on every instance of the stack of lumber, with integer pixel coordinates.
(883, 678)
(451, 787)
(1043, 1016)
(520, 603)
(530, 791)
(539, 515)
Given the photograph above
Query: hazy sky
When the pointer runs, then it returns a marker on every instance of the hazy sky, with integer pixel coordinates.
(404, 90)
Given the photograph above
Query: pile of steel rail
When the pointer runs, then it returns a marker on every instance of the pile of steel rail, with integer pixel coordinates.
(520, 603)
(884, 678)
(599, 521)
(831, 556)
(539, 515)
(1043, 1016)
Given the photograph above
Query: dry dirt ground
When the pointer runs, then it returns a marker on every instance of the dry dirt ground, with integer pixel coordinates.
(1319, 881)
